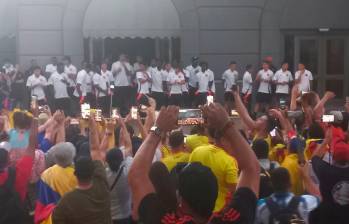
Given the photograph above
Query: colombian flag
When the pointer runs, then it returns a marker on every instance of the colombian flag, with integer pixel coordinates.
(53, 184)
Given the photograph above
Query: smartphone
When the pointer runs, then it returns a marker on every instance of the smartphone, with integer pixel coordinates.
(273, 133)
(98, 115)
(328, 118)
(190, 117)
(304, 92)
(112, 86)
(234, 113)
(282, 104)
(209, 100)
(115, 114)
(34, 102)
(85, 110)
(134, 113)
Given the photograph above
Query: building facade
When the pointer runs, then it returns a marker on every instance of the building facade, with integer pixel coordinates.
(313, 31)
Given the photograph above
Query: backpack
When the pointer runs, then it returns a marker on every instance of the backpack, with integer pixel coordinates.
(11, 206)
(280, 215)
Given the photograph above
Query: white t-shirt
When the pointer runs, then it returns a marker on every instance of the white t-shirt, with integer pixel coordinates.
(185, 87)
(247, 83)
(38, 90)
(157, 77)
(71, 70)
(102, 81)
(83, 79)
(121, 78)
(230, 77)
(173, 79)
(143, 88)
(304, 84)
(203, 79)
(60, 88)
(50, 68)
(109, 75)
(283, 76)
(193, 74)
(264, 86)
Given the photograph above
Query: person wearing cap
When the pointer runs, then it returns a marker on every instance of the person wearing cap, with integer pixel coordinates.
(230, 78)
(193, 70)
(291, 162)
(333, 176)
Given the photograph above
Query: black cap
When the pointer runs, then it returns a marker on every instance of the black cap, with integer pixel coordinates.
(195, 58)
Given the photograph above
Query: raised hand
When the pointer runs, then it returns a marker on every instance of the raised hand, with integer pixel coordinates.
(167, 119)
(216, 115)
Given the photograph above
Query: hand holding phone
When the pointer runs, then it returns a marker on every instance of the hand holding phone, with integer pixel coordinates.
(134, 113)
(328, 118)
(209, 100)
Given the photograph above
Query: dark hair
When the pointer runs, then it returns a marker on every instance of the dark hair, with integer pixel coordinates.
(60, 68)
(3, 159)
(176, 139)
(21, 120)
(4, 137)
(232, 63)
(198, 129)
(248, 67)
(36, 68)
(315, 131)
(84, 169)
(114, 159)
(295, 146)
(280, 179)
(164, 186)
(199, 188)
(261, 148)
(71, 133)
(130, 130)
(285, 62)
(67, 58)
(203, 63)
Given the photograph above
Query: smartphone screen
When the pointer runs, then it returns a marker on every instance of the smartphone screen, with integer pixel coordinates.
(112, 86)
(34, 102)
(98, 115)
(115, 114)
(273, 133)
(85, 110)
(328, 118)
(134, 113)
(190, 117)
(209, 100)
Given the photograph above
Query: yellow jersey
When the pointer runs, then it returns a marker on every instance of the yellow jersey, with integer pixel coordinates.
(291, 164)
(194, 141)
(174, 158)
(224, 167)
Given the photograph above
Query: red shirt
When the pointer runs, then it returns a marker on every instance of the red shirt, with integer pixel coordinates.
(23, 173)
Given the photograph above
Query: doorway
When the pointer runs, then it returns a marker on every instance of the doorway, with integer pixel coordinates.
(327, 57)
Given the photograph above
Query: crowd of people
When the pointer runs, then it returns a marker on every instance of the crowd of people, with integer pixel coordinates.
(288, 163)
(121, 84)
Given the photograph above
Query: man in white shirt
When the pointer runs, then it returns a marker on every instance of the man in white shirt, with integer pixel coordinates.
(264, 94)
(282, 79)
(37, 84)
(71, 71)
(122, 71)
(137, 64)
(158, 83)
(230, 77)
(193, 70)
(82, 80)
(143, 80)
(59, 82)
(51, 68)
(303, 78)
(205, 81)
(247, 86)
(175, 81)
(101, 85)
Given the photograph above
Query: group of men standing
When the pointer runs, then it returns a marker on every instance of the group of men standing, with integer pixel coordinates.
(123, 85)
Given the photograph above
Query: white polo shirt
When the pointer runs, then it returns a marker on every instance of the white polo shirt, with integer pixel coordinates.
(102, 81)
(157, 77)
(185, 86)
(173, 79)
(304, 84)
(38, 90)
(121, 78)
(193, 75)
(60, 88)
(71, 70)
(265, 87)
(203, 79)
(283, 76)
(50, 68)
(143, 88)
(247, 83)
(82, 78)
(230, 77)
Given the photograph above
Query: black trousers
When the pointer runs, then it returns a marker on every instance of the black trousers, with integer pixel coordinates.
(201, 99)
(104, 104)
(160, 99)
(175, 100)
(91, 99)
(192, 97)
(122, 99)
(64, 105)
(187, 103)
